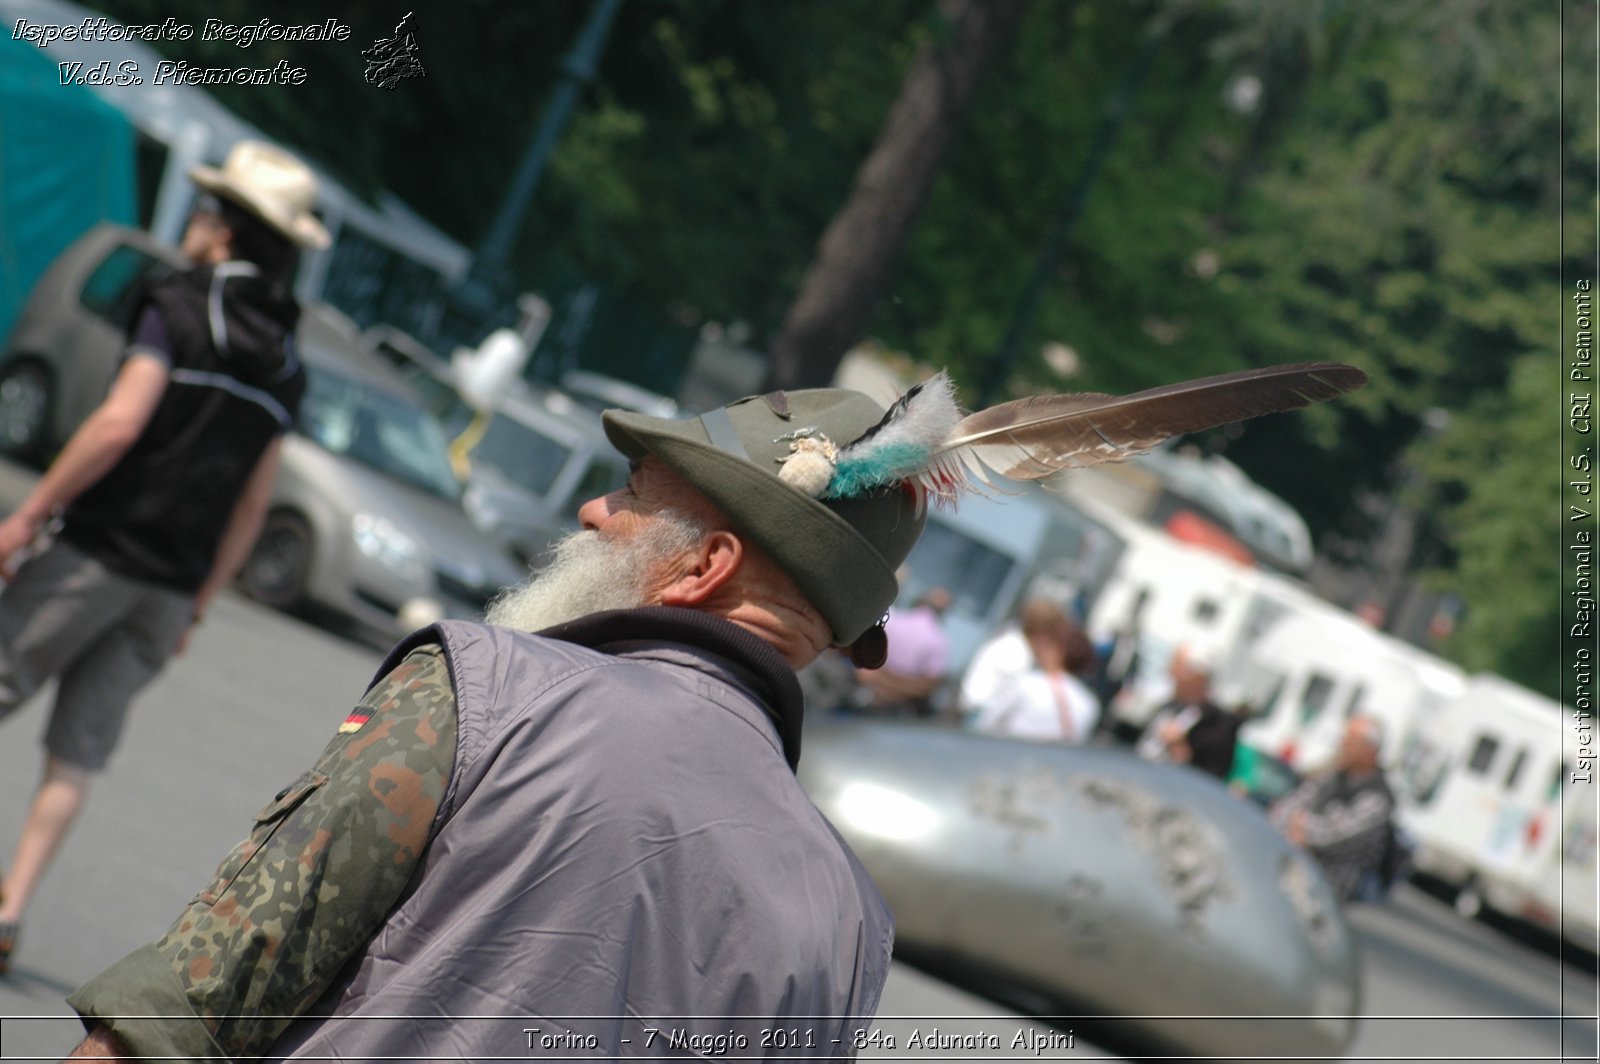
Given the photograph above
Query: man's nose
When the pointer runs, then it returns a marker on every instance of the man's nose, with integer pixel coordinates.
(592, 513)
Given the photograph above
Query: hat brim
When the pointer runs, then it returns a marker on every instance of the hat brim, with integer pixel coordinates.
(303, 229)
(804, 536)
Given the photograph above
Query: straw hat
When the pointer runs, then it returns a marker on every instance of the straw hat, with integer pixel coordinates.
(272, 185)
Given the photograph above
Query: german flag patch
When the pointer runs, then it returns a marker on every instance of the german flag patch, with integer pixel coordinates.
(355, 720)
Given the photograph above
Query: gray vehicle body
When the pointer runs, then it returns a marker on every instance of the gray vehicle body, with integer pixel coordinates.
(541, 455)
(1141, 901)
(71, 335)
(600, 393)
(455, 566)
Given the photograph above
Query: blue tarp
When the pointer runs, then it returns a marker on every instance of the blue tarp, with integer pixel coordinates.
(66, 162)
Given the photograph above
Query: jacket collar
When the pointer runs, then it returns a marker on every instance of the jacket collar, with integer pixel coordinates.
(751, 658)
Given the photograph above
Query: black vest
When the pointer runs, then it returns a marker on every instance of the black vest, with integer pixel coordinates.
(235, 384)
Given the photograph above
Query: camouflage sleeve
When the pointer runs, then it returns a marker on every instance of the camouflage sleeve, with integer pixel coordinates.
(324, 863)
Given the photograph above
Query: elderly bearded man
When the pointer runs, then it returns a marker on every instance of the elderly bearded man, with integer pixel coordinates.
(592, 833)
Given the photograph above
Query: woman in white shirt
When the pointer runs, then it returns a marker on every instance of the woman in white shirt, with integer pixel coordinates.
(1046, 700)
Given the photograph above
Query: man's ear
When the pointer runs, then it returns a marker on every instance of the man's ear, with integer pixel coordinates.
(715, 562)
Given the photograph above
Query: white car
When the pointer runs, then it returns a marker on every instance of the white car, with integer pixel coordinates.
(529, 465)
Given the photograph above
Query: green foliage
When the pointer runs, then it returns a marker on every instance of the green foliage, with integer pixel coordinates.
(1500, 457)
(1410, 227)
(1393, 204)
(1404, 195)
(748, 120)
(1123, 295)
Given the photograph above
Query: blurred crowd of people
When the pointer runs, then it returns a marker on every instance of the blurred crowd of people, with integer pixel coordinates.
(1041, 678)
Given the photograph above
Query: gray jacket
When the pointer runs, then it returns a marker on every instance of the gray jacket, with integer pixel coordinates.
(623, 865)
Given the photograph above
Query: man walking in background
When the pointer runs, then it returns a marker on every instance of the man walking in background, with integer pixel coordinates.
(1344, 818)
(160, 492)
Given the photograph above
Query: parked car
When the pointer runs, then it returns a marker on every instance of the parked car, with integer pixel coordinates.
(530, 465)
(600, 393)
(58, 361)
(366, 515)
(539, 445)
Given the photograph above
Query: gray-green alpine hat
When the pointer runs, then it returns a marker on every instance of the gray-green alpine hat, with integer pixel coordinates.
(841, 552)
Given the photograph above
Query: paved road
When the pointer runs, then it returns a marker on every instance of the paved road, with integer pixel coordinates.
(1435, 985)
(259, 694)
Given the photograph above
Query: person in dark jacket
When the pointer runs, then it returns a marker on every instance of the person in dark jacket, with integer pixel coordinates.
(1344, 818)
(1191, 729)
(160, 492)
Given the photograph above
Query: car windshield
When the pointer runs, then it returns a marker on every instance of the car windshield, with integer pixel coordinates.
(522, 454)
(382, 432)
(442, 401)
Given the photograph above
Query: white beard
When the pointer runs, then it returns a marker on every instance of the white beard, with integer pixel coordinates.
(587, 574)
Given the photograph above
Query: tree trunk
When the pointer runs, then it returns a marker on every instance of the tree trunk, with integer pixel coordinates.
(858, 251)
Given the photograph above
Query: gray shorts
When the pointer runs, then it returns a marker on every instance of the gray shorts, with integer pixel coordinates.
(103, 635)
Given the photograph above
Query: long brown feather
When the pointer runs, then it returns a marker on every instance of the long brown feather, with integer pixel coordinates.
(1031, 438)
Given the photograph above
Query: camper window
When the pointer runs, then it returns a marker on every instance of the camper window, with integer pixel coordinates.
(1315, 697)
(1482, 755)
(1516, 768)
(1352, 705)
(1422, 769)
(1260, 688)
(1206, 610)
(1262, 614)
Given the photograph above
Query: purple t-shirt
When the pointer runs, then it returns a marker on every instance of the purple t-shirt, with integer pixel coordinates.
(917, 643)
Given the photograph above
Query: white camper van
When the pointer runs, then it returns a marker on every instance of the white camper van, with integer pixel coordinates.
(1565, 894)
(1164, 594)
(1506, 821)
(1312, 670)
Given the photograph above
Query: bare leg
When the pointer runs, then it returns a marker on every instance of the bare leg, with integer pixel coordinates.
(55, 806)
